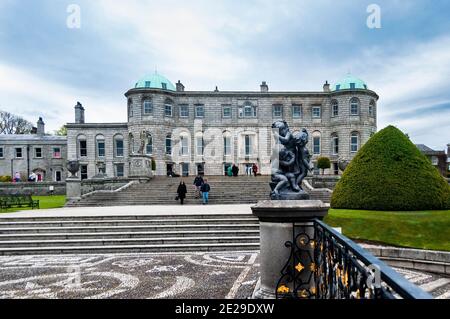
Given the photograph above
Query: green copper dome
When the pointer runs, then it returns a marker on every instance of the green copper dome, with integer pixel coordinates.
(155, 81)
(350, 83)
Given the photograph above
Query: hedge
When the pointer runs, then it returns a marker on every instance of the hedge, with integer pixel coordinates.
(390, 173)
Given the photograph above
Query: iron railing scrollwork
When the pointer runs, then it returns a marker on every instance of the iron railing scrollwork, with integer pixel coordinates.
(323, 264)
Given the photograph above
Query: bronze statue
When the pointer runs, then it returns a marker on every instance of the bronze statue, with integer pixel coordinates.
(292, 164)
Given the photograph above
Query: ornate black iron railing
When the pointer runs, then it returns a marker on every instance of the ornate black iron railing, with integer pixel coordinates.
(324, 264)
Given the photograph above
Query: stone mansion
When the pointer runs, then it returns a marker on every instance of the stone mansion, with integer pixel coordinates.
(170, 130)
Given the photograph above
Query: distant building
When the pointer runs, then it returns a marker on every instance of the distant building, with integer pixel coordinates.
(448, 157)
(437, 158)
(178, 129)
(37, 153)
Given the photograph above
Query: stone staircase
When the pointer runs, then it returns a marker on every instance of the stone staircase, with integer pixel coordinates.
(162, 191)
(128, 234)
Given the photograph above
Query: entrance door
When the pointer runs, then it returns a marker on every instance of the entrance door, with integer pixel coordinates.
(201, 169)
(185, 169)
(58, 176)
(169, 169)
(336, 168)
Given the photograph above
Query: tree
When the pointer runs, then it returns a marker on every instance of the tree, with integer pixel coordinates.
(389, 173)
(13, 124)
(62, 131)
(323, 163)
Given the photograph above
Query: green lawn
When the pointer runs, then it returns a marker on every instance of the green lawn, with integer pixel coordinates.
(423, 229)
(45, 202)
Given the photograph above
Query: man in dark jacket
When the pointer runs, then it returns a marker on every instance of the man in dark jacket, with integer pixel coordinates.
(198, 182)
(235, 170)
(182, 191)
(205, 191)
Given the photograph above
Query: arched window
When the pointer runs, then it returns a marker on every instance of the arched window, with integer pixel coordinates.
(334, 108)
(168, 108)
(335, 144)
(82, 146)
(169, 144)
(184, 144)
(199, 144)
(118, 146)
(147, 106)
(130, 108)
(100, 145)
(354, 106)
(149, 146)
(354, 142)
(316, 136)
(372, 106)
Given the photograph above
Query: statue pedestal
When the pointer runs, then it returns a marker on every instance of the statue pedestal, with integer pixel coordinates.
(73, 188)
(140, 167)
(291, 196)
(277, 219)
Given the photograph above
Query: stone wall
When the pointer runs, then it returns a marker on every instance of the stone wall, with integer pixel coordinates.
(325, 181)
(36, 189)
(110, 184)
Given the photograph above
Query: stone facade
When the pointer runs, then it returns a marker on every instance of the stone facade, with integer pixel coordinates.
(235, 128)
(42, 154)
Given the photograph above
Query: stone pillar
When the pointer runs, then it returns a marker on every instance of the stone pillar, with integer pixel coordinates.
(277, 220)
(73, 188)
(140, 167)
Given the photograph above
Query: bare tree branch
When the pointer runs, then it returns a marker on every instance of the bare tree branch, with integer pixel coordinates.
(13, 124)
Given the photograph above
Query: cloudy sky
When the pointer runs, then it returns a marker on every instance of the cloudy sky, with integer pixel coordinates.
(46, 67)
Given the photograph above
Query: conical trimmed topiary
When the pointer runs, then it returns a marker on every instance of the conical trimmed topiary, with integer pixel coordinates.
(390, 173)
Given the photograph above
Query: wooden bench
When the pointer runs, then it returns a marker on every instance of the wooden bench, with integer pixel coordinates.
(18, 201)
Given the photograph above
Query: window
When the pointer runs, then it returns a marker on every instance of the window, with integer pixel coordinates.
(227, 145)
(354, 106)
(247, 110)
(316, 145)
(38, 152)
(130, 108)
(82, 146)
(316, 110)
(131, 143)
(148, 84)
(184, 111)
(278, 111)
(434, 160)
(335, 144)
(352, 86)
(148, 107)
(168, 110)
(84, 172)
(118, 146)
(372, 108)
(1, 152)
(354, 142)
(149, 147)
(169, 144)
(19, 152)
(248, 145)
(199, 111)
(164, 86)
(100, 141)
(226, 111)
(184, 145)
(120, 170)
(296, 111)
(200, 146)
(334, 108)
(57, 152)
(58, 176)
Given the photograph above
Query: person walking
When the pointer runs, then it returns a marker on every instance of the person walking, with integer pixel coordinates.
(235, 170)
(198, 182)
(182, 191)
(230, 170)
(205, 192)
(255, 169)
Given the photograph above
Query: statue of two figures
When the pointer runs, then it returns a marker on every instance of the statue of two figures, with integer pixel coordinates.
(292, 164)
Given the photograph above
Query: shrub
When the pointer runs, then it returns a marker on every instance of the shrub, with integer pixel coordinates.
(323, 163)
(5, 179)
(390, 173)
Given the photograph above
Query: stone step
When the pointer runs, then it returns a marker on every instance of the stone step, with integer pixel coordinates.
(131, 249)
(134, 228)
(104, 223)
(127, 241)
(118, 235)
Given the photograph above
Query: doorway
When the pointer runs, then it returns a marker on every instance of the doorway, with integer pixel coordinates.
(185, 169)
(200, 169)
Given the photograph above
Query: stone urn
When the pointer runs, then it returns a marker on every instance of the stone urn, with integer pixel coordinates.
(343, 164)
(73, 167)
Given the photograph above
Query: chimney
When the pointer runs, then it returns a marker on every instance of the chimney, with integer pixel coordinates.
(217, 89)
(180, 86)
(326, 87)
(79, 113)
(264, 87)
(40, 127)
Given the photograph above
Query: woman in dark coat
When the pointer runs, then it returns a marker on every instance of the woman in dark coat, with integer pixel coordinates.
(182, 190)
